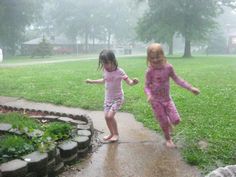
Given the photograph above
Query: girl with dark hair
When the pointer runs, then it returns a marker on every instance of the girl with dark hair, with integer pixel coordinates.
(114, 94)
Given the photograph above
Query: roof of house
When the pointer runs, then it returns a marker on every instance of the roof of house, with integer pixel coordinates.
(51, 40)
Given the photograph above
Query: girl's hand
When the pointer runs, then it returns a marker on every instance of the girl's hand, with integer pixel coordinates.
(135, 81)
(195, 90)
(88, 81)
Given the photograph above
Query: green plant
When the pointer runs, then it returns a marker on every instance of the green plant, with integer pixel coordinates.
(57, 131)
(43, 49)
(44, 144)
(13, 146)
(20, 121)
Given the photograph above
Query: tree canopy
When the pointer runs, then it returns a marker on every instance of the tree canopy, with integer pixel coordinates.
(88, 19)
(15, 15)
(192, 19)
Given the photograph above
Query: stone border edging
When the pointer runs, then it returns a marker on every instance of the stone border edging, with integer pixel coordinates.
(228, 171)
(51, 163)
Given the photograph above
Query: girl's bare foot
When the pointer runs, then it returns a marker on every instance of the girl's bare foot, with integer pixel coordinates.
(114, 138)
(170, 144)
(108, 137)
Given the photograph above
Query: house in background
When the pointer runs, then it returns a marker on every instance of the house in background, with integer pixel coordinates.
(60, 45)
(232, 42)
(231, 38)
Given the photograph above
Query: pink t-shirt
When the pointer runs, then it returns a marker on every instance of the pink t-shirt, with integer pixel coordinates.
(157, 82)
(113, 85)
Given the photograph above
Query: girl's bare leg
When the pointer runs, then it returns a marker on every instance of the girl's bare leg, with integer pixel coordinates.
(115, 133)
(109, 125)
(169, 142)
(115, 136)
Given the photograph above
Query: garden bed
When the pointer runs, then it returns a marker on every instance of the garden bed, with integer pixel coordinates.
(47, 158)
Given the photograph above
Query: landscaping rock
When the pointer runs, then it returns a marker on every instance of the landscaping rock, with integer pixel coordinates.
(14, 168)
(70, 160)
(90, 124)
(36, 161)
(83, 127)
(232, 168)
(82, 152)
(83, 141)
(35, 133)
(36, 117)
(84, 133)
(52, 153)
(31, 174)
(214, 175)
(59, 168)
(68, 149)
(58, 156)
(5, 127)
(51, 117)
(224, 172)
(228, 171)
(51, 166)
(83, 118)
(15, 131)
(72, 121)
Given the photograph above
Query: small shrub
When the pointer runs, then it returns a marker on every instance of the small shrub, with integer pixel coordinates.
(19, 121)
(43, 49)
(58, 131)
(13, 146)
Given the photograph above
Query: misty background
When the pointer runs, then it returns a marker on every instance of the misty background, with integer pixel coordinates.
(61, 27)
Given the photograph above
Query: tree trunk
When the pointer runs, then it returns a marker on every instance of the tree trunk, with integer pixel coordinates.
(171, 47)
(187, 49)
(86, 42)
(93, 42)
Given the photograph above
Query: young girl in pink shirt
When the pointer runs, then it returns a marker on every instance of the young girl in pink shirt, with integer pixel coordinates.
(157, 89)
(114, 94)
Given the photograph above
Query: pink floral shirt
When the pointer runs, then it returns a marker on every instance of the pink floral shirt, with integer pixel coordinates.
(113, 85)
(157, 82)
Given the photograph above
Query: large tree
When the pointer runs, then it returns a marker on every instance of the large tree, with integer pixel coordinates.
(76, 18)
(15, 15)
(89, 19)
(158, 23)
(196, 20)
(193, 19)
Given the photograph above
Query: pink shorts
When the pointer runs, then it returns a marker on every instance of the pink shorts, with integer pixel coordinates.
(166, 113)
(113, 105)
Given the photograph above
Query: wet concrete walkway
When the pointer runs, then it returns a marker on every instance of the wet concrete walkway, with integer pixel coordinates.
(140, 152)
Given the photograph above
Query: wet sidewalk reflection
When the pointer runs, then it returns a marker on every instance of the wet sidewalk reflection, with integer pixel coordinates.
(140, 152)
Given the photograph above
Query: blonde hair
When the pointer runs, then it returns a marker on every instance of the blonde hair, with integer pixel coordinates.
(157, 49)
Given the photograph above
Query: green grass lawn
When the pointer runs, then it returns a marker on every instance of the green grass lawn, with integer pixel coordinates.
(207, 132)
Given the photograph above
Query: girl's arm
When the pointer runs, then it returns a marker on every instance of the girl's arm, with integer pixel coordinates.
(179, 81)
(147, 88)
(131, 82)
(98, 81)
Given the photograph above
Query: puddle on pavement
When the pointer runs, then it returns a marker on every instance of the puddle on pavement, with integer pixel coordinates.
(144, 159)
(140, 152)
